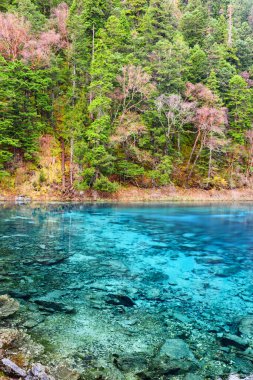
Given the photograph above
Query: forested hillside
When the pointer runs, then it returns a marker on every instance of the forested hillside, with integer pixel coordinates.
(103, 93)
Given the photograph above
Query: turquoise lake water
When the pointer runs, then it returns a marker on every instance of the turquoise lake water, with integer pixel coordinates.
(133, 291)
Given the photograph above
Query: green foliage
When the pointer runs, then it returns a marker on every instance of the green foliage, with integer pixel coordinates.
(42, 177)
(161, 176)
(89, 175)
(197, 65)
(103, 184)
(24, 108)
(100, 159)
(131, 90)
(194, 22)
(128, 170)
(29, 10)
(4, 5)
(240, 107)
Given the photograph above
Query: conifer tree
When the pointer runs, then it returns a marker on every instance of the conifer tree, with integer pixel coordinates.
(240, 107)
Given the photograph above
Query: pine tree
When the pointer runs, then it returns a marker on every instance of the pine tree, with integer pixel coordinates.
(239, 100)
(194, 22)
(29, 10)
(213, 84)
(197, 69)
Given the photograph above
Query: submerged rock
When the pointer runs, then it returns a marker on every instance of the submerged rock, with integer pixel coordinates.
(175, 357)
(63, 372)
(11, 368)
(209, 260)
(234, 340)
(227, 271)
(53, 306)
(119, 299)
(248, 354)
(246, 326)
(33, 319)
(17, 345)
(8, 306)
(131, 362)
(38, 372)
(193, 376)
(50, 258)
(22, 295)
(156, 276)
(180, 317)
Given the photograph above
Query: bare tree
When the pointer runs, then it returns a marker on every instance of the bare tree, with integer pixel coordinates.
(135, 88)
(177, 112)
(210, 123)
(130, 130)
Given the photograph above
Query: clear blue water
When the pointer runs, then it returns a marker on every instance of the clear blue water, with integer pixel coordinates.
(136, 276)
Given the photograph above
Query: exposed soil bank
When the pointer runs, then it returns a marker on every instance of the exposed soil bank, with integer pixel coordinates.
(134, 194)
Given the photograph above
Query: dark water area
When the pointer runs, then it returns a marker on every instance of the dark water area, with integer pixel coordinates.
(133, 291)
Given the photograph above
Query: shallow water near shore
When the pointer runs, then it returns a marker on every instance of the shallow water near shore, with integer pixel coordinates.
(104, 287)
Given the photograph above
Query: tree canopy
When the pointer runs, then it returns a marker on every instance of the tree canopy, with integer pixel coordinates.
(142, 92)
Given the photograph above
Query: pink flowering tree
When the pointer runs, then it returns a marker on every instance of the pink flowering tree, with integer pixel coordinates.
(14, 34)
(210, 124)
(59, 19)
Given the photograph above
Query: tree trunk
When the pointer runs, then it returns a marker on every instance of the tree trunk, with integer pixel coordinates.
(92, 60)
(71, 175)
(230, 25)
(193, 150)
(210, 164)
(63, 164)
(197, 157)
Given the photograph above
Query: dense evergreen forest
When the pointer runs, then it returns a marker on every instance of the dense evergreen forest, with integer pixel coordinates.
(141, 92)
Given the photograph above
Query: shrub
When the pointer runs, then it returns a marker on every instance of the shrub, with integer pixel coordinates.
(105, 185)
(129, 170)
(88, 175)
(81, 186)
(42, 177)
(217, 182)
(161, 175)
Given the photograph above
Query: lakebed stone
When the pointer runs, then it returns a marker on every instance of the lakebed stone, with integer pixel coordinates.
(131, 362)
(38, 372)
(246, 326)
(175, 357)
(209, 260)
(12, 368)
(13, 340)
(8, 306)
(53, 306)
(119, 300)
(48, 259)
(234, 340)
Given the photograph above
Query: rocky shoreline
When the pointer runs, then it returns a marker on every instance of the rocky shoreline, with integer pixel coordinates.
(132, 194)
(19, 353)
